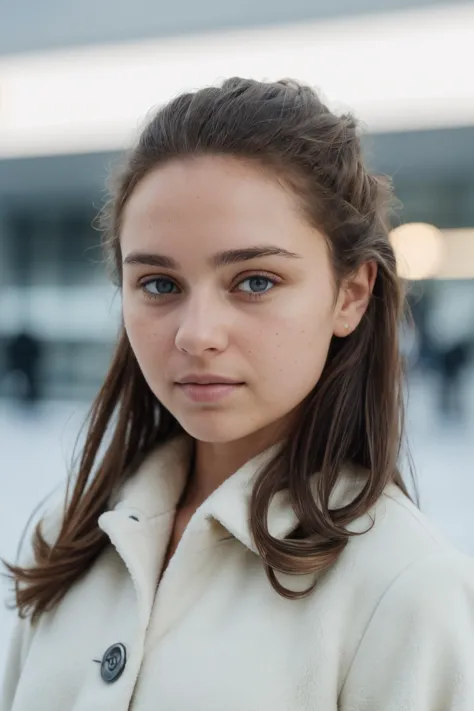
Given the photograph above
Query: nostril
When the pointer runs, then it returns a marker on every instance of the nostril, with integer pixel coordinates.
(135, 518)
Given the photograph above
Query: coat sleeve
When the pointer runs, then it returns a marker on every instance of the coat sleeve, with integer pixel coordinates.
(417, 652)
(23, 630)
(17, 651)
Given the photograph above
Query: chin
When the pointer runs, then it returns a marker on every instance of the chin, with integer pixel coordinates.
(215, 428)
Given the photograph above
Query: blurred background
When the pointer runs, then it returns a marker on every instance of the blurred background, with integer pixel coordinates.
(76, 82)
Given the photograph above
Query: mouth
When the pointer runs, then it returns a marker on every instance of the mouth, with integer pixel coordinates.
(208, 380)
(210, 391)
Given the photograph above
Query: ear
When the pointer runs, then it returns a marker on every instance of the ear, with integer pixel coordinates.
(353, 299)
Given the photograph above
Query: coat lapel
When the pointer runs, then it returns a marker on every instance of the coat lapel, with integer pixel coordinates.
(141, 519)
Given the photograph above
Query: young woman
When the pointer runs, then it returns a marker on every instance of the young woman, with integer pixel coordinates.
(238, 535)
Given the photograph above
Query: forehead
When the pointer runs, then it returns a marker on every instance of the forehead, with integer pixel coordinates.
(212, 199)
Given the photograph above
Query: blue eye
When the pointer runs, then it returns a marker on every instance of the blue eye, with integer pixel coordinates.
(257, 285)
(163, 287)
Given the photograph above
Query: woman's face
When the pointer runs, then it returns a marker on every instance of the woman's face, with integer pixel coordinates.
(223, 279)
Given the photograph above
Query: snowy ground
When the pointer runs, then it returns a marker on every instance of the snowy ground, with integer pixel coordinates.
(35, 451)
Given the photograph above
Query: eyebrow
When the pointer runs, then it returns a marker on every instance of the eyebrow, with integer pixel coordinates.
(221, 259)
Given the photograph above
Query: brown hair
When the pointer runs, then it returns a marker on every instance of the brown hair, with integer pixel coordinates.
(355, 412)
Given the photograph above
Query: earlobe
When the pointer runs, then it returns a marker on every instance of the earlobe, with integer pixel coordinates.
(343, 331)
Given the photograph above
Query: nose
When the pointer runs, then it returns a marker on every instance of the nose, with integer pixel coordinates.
(202, 327)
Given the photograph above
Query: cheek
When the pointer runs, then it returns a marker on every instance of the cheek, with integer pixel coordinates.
(135, 323)
(291, 351)
(147, 337)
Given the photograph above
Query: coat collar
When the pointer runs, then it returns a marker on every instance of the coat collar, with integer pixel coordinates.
(156, 487)
(141, 520)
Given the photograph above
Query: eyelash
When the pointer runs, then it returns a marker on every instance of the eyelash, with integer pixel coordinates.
(251, 296)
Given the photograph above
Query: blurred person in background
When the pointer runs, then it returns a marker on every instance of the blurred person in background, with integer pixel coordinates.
(24, 358)
(238, 534)
(450, 330)
(419, 301)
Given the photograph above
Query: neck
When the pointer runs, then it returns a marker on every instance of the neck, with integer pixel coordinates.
(215, 462)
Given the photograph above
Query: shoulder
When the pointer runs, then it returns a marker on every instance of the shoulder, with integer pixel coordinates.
(430, 601)
(417, 647)
(427, 569)
(413, 599)
(435, 587)
(398, 557)
(394, 535)
(49, 514)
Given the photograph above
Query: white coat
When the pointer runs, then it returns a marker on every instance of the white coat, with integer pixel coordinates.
(390, 627)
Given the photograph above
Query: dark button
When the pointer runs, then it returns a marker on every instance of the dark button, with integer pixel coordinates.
(113, 663)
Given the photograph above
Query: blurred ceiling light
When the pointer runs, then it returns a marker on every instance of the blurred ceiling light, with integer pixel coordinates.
(397, 71)
(419, 250)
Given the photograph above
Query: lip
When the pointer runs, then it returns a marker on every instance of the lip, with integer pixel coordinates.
(211, 379)
(208, 392)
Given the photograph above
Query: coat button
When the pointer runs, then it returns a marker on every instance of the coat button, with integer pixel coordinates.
(113, 663)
